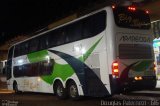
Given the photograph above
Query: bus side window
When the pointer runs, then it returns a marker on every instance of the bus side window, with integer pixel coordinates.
(18, 71)
(94, 24)
(56, 37)
(24, 48)
(61, 37)
(33, 45)
(73, 32)
(46, 68)
(17, 51)
(32, 69)
(43, 42)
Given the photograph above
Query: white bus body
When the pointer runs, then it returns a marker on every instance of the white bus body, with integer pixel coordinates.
(101, 58)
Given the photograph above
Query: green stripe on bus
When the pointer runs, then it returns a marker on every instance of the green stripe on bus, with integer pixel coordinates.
(37, 56)
(59, 71)
(87, 54)
(64, 71)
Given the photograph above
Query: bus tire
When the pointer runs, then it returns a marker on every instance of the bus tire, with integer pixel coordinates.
(15, 87)
(73, 91)
(60, 91)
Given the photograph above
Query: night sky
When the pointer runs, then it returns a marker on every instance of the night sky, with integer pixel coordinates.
(19, 17)
(22, 17)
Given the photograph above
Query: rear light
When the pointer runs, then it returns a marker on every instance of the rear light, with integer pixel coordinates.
(113, 7)
(147, 12)
(115, 70)
(132, 8)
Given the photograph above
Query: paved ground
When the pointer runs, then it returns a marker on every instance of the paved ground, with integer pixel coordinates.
(139, 98)
(37, 99)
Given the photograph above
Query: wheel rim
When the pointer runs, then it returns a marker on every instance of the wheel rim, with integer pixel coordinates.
(73, 91)
(59, 91)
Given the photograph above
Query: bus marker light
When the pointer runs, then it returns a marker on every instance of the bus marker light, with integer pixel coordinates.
(113, 6)
(138, 78)
(77, 49)
(83, 50)
(155, 68)
(39, 79)
(132, 8)
(48, 59)
(20, 61)
(147, 12)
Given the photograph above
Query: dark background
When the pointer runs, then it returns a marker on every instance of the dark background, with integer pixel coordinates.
(26, 16)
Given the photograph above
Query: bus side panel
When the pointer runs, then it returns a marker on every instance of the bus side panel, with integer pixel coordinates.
(111, 49)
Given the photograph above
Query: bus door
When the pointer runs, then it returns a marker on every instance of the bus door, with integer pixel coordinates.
(9, 68)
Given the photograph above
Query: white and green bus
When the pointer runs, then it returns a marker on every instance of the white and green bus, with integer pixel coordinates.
(99, 54)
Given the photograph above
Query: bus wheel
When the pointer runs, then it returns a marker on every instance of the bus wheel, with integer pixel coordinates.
(60, 91)
(15, 87)
(73, 91)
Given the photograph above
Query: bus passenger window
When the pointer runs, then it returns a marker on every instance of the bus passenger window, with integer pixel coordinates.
(33, 45)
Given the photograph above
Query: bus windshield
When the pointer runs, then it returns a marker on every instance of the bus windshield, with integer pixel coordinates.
(128, 17)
